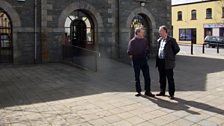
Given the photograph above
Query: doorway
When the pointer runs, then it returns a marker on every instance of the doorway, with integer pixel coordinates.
(142, 20)
(80, 29)
(6, 46)
(78, 33)
(193, 36)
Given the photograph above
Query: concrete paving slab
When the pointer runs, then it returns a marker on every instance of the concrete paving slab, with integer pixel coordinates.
(58, 94)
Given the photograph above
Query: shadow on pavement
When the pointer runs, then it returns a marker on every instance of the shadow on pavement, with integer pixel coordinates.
(28, 84)
(179, 104)
(194, 73)
(176, 106)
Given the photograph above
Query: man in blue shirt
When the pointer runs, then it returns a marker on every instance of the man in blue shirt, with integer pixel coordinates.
(137, 51)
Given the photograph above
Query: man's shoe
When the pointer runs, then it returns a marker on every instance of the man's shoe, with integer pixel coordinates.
(149, 94)
(172, 97)
(160, 94)
(138, 94)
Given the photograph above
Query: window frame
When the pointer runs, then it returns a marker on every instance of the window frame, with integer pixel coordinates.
(209, 15)
(185, 34)
(179, 16)
(194, 14)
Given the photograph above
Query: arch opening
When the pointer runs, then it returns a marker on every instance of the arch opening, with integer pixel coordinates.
(6, 44)
(80, 29)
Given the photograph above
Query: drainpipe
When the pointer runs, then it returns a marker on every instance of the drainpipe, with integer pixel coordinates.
(35, 31)
(118, 28)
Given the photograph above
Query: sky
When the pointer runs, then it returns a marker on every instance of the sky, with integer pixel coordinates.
(183, 1)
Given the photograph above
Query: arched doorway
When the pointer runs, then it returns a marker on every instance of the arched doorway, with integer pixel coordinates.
(142, 20)
(80, 29)
(6, 45)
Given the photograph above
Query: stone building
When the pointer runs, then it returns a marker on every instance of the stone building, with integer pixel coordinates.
(33, 31)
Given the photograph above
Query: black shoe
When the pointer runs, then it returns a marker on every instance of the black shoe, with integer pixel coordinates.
(149, 94)
(172, 97)
(160, 94)
(138, 94)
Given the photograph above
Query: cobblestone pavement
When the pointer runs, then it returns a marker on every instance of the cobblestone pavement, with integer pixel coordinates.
(62, 95)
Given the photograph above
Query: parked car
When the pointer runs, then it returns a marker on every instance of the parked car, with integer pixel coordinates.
(212, 41)
(5, 40)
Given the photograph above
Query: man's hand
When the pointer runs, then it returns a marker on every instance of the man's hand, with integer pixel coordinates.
(130, 56)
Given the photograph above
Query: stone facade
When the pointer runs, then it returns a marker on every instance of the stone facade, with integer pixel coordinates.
(111, 19)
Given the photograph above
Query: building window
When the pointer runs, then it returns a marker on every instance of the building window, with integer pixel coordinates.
(208, 32)
(193, 15)
(179, 15)
(187, 34)
(6, 44)
(222, 12)
(208, 13)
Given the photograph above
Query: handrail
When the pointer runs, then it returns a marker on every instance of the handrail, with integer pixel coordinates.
(82, 57)
(81, 48)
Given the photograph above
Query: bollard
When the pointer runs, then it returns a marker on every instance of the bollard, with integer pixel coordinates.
(217, 47)
(191, 48)
(203, 48)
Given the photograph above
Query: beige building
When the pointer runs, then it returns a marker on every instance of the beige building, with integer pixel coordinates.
(193, 21)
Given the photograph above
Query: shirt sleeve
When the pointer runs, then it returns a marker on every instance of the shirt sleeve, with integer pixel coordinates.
(130, 49)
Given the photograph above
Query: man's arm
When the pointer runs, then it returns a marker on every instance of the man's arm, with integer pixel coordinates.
(176, 47)
(129, 51)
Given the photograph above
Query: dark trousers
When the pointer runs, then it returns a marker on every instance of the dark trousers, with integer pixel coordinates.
(163, 74)
(141, 64)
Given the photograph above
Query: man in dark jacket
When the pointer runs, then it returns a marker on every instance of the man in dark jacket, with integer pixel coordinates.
(165, 61)
(137, 51)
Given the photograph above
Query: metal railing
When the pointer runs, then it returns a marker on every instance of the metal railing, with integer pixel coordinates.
(81, 57)
(217, 45)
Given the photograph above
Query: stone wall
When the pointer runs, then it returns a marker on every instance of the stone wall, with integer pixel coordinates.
(112, 19)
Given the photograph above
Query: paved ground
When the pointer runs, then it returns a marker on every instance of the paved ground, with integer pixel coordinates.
(61, 95)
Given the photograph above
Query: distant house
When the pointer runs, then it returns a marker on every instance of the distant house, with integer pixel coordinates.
(193, 21)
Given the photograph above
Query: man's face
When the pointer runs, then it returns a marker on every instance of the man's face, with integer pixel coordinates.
(162, 33)
(141, 33)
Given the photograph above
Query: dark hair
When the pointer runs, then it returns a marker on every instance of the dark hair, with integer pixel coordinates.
(138, 29)
(164, 28)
